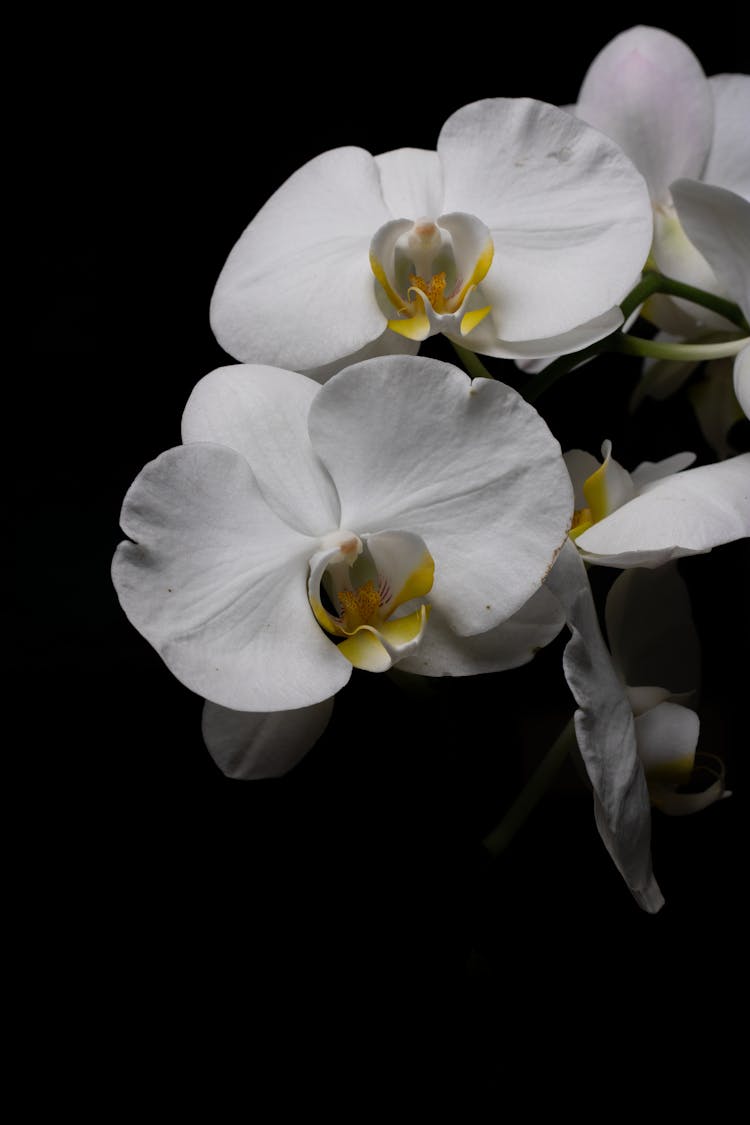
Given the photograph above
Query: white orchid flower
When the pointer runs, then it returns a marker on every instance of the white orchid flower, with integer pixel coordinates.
(605, 733)
(648, 91)
(519, 236)
(657, 512)
(300, 531)
(656, 653)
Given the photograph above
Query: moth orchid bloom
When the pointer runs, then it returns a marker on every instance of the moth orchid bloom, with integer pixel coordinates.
(647, 90)
(656, 653)
(605, 732)
(301, 531)
(519, 236)
(657, 512)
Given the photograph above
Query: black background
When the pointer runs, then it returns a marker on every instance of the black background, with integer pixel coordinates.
(358, 883)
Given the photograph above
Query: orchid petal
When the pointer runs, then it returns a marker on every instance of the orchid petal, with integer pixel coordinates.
(403, 564)
(650, 629)
(509, 645)
(261, 412)
(728, 163)
(478, 477)
(667, 737)
(606, 733)
(668, 799)
(296, 291)
(649, 471)
(580, 465)
(251, 745)
(412, 182)
(716, 405)
(742, 379)
(718, 223)
(571, 222)
(609, 487)
(387, 344)
(647, 91)
(217, 583)
(685, 514)
(486, 338)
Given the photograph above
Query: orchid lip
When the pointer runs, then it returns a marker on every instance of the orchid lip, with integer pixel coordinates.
(356, 586)
(428, 271)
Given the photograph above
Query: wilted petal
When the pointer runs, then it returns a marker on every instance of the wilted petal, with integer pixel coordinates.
(685, 514)
(513, 643)
(647, 90)
(606, 733)
(414, 444)
(728, 163)
(568, 213)
(261, 412)
(217, 583)
(412, 182)
(651, 631)
(296, 290)
(248, 746)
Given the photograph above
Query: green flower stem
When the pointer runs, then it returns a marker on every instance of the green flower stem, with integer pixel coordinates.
(682, 353)
(472, 363)
(672, 288)
(530, 796)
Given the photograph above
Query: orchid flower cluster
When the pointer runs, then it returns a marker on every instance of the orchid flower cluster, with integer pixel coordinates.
(340, 502)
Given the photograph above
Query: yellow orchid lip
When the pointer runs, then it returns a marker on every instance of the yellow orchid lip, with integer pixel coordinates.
(428, 271)
(357, 599)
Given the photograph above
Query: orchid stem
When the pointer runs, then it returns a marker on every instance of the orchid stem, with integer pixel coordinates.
(472, 362)
(682, 353)
(500, 837)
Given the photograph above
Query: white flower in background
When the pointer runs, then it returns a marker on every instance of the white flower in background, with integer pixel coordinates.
(718, 224)
(657, 512)
(605, 733)
(647, 90)
(656, 653)
(519, 236)
(304, 530)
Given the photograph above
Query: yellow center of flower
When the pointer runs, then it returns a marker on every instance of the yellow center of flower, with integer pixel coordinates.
(359, 606)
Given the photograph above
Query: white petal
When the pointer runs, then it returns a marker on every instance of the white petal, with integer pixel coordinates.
(718, 223)
(729, 159)
(412, 183)
(667, 737)
(606, 734)
(218, 584)
(509, 645)
(568, 213)
(685, 514)
(647, 90)
(390, 343)
(249, 745)
(661, 377)
(261, 412)
(649, 471)
(650, 629)
(414, 444)
(486, 340)
(716, 405)
(742, 379)
(580, 466)
(297, 290)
